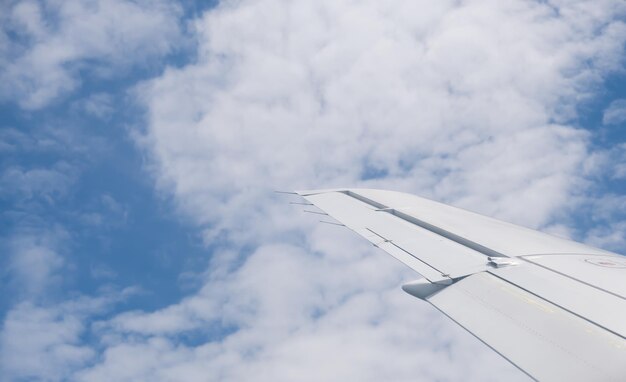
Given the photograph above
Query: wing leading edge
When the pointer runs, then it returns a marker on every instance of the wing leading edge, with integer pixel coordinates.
(554, 308)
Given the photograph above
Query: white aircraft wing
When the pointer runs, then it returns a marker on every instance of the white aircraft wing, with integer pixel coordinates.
(554, 308)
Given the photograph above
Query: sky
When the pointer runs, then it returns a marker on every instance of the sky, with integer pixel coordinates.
(141, 142)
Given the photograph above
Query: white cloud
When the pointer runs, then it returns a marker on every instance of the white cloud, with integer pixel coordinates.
(60, 140)
(615, 113)
(99, 105)
(44, 342)
(607, 224)
(454, 107)
(40, 343)
(46, 183)
(618, 169)
(33, 259)
(55, 42)
(612, 236)
(298, 316)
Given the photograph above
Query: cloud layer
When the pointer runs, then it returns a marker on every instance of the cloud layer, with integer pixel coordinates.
(463, 102)
(470, 102)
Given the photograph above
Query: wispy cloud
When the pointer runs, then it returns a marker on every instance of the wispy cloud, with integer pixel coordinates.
(615, 114)
(43, 182)
(53, 43)
(34, 260)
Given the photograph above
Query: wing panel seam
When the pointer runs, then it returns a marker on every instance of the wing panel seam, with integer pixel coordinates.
(555, 304)
(425, 225)
(481, 340)
(522, 326)
(571, 277)
(407, 252)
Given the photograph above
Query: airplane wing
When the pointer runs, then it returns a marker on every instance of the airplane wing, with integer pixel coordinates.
(554, 308)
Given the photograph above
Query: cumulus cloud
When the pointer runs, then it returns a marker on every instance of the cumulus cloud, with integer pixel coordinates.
(45, 342)
(41, 343)
(53, 42)
(456, 102)
(298, 316)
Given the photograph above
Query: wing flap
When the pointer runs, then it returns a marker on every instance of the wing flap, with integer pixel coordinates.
(542, 339)
(578, 298)
(437, 259)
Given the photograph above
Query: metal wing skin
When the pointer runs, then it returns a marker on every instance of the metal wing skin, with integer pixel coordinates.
(554, 308)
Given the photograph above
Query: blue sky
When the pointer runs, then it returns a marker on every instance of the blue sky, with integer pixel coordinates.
(141, 142)
(108, 184)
